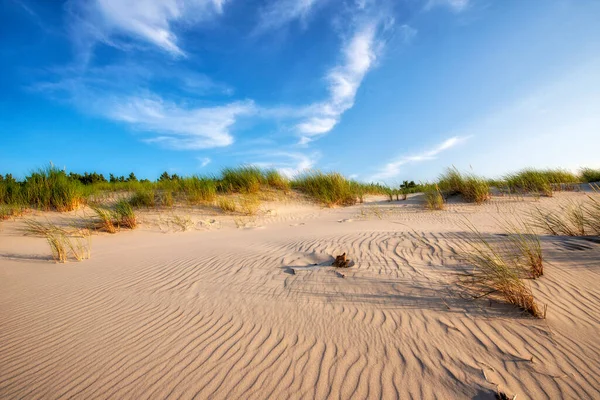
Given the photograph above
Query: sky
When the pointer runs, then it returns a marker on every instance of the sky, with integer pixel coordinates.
(379, 90)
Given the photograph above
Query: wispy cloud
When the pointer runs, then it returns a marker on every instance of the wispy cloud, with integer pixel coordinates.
(150, 21)
(393, 168)
(204, 161)
(454, 5)
(175, 126)
(278, 13)
(359, 54)
(287, 163)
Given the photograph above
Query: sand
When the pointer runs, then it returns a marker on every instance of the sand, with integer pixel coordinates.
(250, 310)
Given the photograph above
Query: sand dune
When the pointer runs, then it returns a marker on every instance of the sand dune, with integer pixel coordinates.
(256, 313)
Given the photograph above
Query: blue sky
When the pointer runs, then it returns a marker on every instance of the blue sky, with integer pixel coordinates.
(380, 90)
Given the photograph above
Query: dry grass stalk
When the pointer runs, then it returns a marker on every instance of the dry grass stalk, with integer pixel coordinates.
(526, 246)
(495, 272)
(62, 242)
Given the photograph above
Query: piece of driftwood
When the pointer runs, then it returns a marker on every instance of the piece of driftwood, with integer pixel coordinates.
(341, 261)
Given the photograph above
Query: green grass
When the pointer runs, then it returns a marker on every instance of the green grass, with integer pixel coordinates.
(494, 271)
(472, 188)
(143, 198)
(433, 198)
(542, 182)
(571, 219)
(246, 179)
(276, 180)
(198, 190)
(330, 189)
(590, 175)
(125, 215)
(51, 189)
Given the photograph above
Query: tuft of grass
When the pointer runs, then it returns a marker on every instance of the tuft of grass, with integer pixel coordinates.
(433, 198)
(525, 245)
(125, 214)
(50, 188)
(590, 175)
(572, 219)
(249, 204)
(61, 242)
(198, 190)
(472, 188)
(165, 198)
(495, 272)
(227, 204)
(276, 180)
(8, 211)
(541, 182)
(142, 198)
(246, 179)
(331, 189)
(107, 220)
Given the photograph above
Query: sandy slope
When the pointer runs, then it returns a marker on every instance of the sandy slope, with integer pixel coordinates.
(244, 313)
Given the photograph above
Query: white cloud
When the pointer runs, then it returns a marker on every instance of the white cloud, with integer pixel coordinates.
(204, 161)
(393, 168)
(288, 163)
(176, 126)
(151, 21)
(358, 57)
(454, 5)
(281, 12)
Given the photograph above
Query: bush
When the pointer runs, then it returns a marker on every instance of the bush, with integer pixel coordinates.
(330, 189)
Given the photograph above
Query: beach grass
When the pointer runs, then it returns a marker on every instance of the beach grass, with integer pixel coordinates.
(495, 272)
(473, 189)
(433, 198)
(590, 175)
(330, 189)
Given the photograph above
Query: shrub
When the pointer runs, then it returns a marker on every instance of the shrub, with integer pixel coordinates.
(330, 189)
(242, 179)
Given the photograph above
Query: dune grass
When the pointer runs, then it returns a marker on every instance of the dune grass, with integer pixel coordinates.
(525, 246)
(246, 179)
(330, 189)
(226, 204)
(50, 189)
(496, 272)
(249, 204)
(125, 215)
(433, 198)
(143, 198)
(542, 182)
(575, 218)
(198, 190)
(62, 242)
(276, 180)
(472, 188)
(590, 175)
